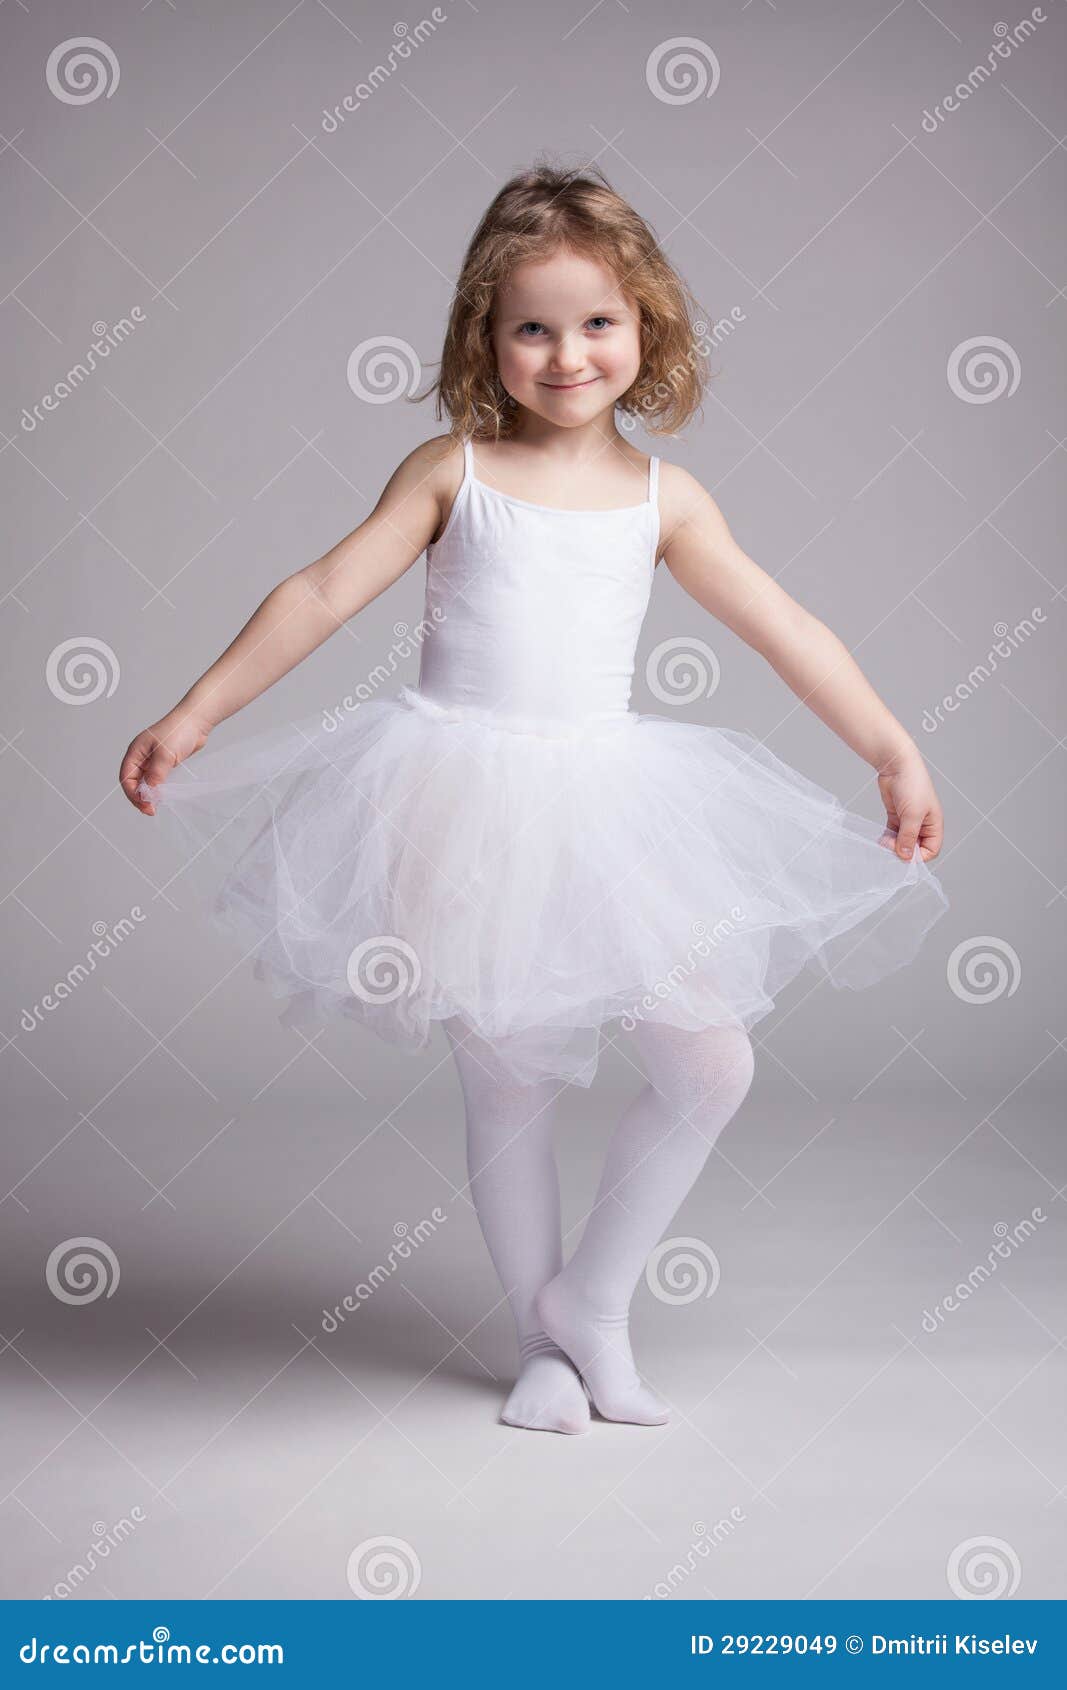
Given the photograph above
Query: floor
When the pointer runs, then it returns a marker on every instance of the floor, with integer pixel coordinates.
(207, 1427)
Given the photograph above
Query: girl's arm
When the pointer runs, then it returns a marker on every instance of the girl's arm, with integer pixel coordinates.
(706, 560)
(295, 618)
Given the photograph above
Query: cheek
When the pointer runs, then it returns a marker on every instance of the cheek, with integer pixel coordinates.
(616, 359)
(519, 360)
(625, 355)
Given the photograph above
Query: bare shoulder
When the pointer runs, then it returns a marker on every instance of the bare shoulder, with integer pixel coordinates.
(683, 501)
(420, 490)
(706, 560)
(433, 468)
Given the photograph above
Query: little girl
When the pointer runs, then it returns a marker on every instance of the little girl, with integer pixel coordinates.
(508, 848)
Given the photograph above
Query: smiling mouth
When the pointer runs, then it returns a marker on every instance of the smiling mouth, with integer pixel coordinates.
(567, 386)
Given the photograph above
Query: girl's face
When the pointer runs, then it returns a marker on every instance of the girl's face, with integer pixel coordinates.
(567, 339)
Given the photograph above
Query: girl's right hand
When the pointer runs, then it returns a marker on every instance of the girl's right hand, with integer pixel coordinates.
(156, 751)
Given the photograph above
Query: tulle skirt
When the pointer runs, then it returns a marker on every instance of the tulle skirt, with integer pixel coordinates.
(405, 861)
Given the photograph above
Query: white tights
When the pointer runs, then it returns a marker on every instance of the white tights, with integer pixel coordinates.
(572, 1322)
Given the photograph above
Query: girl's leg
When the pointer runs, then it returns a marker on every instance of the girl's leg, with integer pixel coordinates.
(514, 1185)
(696, 1081)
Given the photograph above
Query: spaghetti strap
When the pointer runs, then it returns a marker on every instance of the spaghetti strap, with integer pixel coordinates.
(653, 479)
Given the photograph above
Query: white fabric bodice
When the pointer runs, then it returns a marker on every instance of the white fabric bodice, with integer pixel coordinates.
(534, 613)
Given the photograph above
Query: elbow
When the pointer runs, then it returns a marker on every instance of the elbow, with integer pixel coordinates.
(322, 583)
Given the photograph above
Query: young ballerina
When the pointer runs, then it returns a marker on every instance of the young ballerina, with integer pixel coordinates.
(507, 848)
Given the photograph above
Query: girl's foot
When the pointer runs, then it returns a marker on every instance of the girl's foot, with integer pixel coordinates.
(548, 1394)
(599, 1346)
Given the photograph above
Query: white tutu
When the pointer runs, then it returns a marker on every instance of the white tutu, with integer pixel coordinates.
(413, 862)
(537, 872)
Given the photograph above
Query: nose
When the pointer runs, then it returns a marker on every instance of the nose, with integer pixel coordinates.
(568, 357)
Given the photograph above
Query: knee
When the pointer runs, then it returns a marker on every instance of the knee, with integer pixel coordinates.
(716, 1077)
(741, 1063)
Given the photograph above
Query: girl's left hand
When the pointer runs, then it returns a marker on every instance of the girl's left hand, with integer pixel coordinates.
(911, 806)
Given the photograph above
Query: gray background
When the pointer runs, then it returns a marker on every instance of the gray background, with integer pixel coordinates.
(245, 1177)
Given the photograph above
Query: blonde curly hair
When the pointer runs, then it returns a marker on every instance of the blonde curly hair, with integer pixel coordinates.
(535, 214)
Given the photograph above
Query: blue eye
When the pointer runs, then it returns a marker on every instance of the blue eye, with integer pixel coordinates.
(531, 323)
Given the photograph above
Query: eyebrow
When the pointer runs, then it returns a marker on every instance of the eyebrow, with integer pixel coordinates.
(529, 317)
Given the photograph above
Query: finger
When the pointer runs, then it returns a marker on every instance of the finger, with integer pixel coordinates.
(932, 834)
(908, 834)
(148, 791)
(130, 770)
(130, 780)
